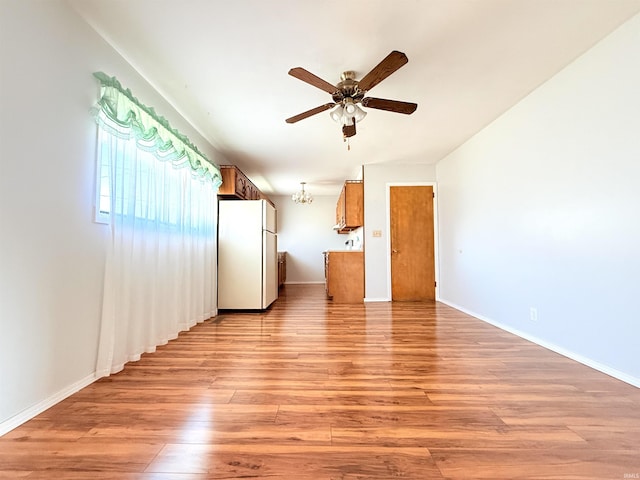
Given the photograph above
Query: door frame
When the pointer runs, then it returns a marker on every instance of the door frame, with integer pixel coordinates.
(436, 260)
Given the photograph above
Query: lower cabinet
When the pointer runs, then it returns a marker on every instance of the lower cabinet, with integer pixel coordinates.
(282, 268)
(344, 276)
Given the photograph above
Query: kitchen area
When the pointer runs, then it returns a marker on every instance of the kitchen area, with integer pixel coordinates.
(344, 268)
(318, 243)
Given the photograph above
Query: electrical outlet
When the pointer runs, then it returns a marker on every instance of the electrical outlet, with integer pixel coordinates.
(533, 314)
(377, 233)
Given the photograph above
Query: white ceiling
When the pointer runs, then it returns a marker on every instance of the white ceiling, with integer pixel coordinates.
(223, 64)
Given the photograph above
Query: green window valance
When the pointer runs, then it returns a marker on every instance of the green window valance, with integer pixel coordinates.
(123, 115)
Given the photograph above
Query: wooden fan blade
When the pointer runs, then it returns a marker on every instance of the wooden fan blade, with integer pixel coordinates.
(386, 67)
(308, 113)
(308, 77)
(390, 105)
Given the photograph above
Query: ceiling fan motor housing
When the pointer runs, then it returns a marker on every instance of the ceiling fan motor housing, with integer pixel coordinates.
(348, 88)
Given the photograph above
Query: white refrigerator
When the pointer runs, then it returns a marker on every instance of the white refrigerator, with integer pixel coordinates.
(247, 255)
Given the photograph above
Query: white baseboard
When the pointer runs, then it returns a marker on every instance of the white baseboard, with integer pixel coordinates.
(373, 299)
(612, 372)
(37, 409)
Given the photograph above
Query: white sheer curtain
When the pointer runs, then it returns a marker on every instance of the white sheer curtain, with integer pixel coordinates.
(161, 260)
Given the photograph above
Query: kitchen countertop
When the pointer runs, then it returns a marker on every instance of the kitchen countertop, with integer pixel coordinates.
(342, 250)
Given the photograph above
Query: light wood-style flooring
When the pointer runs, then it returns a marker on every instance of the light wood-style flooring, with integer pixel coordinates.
(314, 391)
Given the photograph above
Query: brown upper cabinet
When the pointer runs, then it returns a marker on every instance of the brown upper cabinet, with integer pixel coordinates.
(236, 185)
(350, 207)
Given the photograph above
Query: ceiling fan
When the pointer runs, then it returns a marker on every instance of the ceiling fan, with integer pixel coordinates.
(349, 92)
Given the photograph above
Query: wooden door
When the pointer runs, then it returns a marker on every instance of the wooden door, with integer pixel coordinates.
(412, 243)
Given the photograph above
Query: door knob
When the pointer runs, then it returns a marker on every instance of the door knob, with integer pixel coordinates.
(394, 251)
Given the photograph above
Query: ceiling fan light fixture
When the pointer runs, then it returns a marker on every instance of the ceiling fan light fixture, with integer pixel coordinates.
(337, 114)
(346, 112)
(349, 107)
(359, 113)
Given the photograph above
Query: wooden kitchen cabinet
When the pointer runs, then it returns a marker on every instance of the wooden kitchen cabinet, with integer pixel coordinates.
(344, 276)
(282, 268)
(350, 206)
(235, 184)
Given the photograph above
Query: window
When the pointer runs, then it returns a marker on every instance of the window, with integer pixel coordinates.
(134, 183)
(158, 194)
(102, 206)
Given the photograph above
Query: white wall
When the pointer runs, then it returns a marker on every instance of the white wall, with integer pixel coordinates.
(51, 252)
(542, 209)
(376, 214)
(304, 232)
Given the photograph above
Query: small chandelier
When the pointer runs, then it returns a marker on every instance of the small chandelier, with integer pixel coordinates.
(302, 196)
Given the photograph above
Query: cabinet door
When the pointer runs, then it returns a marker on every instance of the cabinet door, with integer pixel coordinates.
(229, 180)
(327, 280)
(345, 277)
(350, 206)
(282, 268)
(340, 208)
(241, 185)
(354, 205)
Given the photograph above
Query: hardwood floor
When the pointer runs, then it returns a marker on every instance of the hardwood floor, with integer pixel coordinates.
(314, 391)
